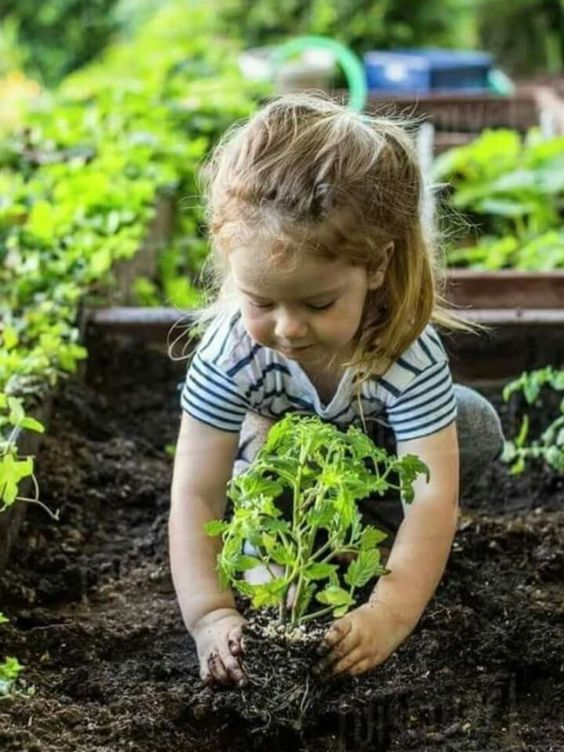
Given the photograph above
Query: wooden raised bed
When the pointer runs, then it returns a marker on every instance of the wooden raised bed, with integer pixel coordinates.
(505, 289)
(458, 118)
(514, 340)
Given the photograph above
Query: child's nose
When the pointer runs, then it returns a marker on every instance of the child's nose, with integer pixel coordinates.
(290, 328)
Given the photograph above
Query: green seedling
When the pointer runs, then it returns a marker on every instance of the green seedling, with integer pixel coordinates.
(13, 469)
(10, 670)
(326, 471)
(550, 446)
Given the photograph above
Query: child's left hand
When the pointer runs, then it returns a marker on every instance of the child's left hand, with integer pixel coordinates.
(361, 640)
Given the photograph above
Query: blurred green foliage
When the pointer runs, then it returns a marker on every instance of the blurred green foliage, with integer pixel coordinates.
(80, 180)
(58, 36)
(526, 35)
(361, 24)
(512, 193)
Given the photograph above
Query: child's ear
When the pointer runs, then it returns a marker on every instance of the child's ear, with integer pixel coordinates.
(377, 275)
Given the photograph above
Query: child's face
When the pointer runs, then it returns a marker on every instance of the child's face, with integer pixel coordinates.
(308, 311)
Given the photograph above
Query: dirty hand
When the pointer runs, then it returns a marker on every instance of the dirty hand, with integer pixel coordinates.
(361, 640)
(218, 640)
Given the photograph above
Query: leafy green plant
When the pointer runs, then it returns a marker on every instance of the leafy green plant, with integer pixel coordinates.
(14, 469)
(326, 471)
(549, 447)
(512, 193)
(10, 669)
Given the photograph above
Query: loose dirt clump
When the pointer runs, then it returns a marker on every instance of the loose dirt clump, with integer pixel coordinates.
(281, 689)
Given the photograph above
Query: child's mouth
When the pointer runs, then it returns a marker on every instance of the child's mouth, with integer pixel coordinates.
(294, 350)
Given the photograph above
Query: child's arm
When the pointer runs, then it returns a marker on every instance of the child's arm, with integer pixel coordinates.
(369, 634)
(202, 467)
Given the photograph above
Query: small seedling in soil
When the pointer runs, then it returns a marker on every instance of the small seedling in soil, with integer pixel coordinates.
(10, 669)
(549, 448)
(325, 471)
(13, 469)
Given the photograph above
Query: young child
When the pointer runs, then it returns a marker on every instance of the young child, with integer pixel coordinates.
(327, 301)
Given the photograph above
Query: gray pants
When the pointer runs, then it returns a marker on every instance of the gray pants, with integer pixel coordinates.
(480, 440)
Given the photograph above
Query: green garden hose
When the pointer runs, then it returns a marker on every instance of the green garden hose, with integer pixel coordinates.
(351, 65)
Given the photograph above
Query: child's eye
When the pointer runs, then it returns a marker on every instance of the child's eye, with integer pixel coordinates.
(321, 307)
(255, 304)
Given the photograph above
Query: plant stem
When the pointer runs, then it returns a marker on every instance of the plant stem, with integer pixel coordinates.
(316, 614)
(53, 515)
(296, 519)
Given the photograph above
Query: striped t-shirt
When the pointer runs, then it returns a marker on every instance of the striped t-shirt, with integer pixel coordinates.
(230, 374)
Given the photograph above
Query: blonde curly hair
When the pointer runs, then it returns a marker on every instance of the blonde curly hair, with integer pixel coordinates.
(307, 175)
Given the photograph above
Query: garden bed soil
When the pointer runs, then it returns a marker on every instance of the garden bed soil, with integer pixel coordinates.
(95, 620)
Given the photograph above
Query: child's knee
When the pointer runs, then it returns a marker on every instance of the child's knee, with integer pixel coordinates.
(480, 435)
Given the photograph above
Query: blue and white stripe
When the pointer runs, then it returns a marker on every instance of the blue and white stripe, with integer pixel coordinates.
(230, 374)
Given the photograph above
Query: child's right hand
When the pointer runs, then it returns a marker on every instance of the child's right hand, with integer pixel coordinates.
(218, 640)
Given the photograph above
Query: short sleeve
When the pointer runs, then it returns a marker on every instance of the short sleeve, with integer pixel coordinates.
(209, 393)
(426, 406)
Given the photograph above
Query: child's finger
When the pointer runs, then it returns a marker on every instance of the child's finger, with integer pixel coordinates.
(234, 640)
(217, 669)
(232, 667)
(338, 631)
(349, 660)
(340, 652)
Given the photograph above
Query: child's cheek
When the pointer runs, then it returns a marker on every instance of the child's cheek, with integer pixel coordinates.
(342, 325)
(257, 325)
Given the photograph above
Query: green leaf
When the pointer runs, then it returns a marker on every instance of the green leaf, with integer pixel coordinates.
(10, 669)
(245, 562)
(363, 568)
(335, 596)
(523, 431)
(268, 593)
(16, 411)
(323, 514)
(554, 457)
(10, 337)
(518, 466)
(281, 555)
(12, 471)
(215, 527)
(33, 425)
(371, 536)
(319, 570)
(340, 611)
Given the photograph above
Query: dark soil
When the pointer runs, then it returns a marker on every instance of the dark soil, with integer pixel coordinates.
(95, 621)
(281, 689)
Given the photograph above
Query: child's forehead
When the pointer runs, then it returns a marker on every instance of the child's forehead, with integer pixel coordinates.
(293, 275)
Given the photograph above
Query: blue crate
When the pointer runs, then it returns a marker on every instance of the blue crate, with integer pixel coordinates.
(427, 70)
